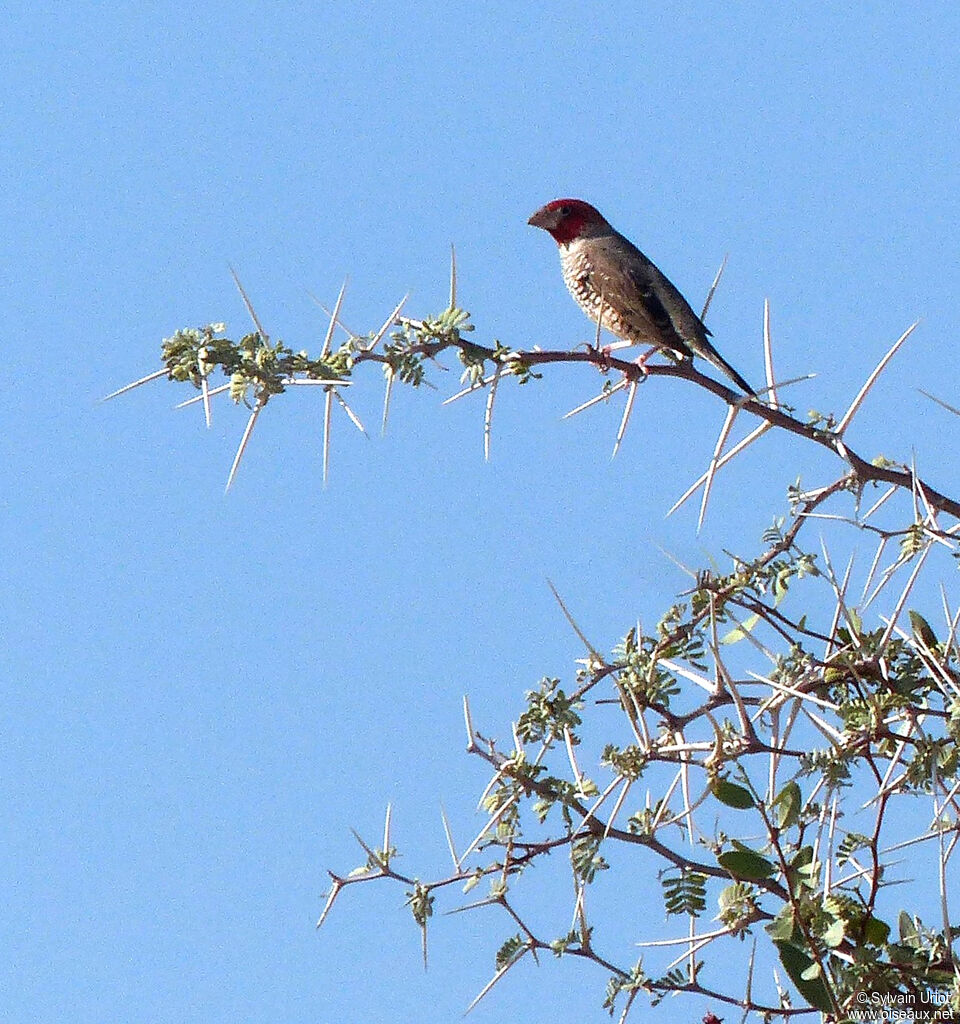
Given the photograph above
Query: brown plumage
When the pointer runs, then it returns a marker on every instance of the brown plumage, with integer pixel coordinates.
(606, 272)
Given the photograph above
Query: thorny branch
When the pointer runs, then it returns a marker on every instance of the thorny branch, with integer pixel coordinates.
(886, 693)
(253, 364)
(840, 712)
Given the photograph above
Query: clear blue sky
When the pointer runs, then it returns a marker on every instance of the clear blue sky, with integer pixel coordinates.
(203, 693)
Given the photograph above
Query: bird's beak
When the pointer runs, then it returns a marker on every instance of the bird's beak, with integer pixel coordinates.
(545, 218)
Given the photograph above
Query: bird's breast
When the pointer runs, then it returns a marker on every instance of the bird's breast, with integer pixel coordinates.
(585, 284)
(580, 279)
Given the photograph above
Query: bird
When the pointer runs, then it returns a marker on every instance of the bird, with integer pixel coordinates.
(613, 282)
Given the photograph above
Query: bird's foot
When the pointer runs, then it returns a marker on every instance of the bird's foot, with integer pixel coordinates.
(641, 364)
(641, 360)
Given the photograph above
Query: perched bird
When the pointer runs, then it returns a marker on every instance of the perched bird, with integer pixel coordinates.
(610, 277)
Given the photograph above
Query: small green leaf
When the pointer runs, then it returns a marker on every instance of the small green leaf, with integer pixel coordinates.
(745, 863)
(803, 858)
(875, 931)
(732, 795)
(788, 803)
(782, 927)
(923, 630)
(796, 963)
(740, 632)
(685, 893)
(833, 936)
(908, 930)
(510, 951)
(804, 871)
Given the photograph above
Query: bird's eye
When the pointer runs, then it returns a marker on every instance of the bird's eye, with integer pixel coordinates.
(564, 211)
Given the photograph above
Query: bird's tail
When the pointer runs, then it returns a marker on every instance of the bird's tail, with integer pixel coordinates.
(713, 356)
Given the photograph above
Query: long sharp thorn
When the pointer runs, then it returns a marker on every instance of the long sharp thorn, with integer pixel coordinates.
(622, 1019)
(602, 397)
(903, 597)
(685, 794)
(879, 502)
(488, 414)
(951, 621)
(129, 387)
(327, 408)
(248, 430)
(468, 724)
(627, 783)
(489, 985)
(873, 566)
(888, 575)
(627, 409)
(469, 390)
(921, 492)
(942, 879)
(676, 561)
(199, 398)
(768, 356)
(332, 895)
(940, 402)
(354, 418)
(387, 324)
(715, 462)
(386, 402)
(314, 382)
(350, 334)
(450, 843)
(914, 489)
(366, 849)
(571, 757)
(205, 395)
(573, 625)
(486, 901)
(713, 287)
(871, 380)
(789, 382)
(491, 823)
(325, 350)
(734, 451)
(386, 830)
(246, 301)
(453, 277)
(695, 947)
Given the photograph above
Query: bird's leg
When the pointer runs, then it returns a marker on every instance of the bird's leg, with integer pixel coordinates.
(674, 355)
(602, 353)
(641, 361)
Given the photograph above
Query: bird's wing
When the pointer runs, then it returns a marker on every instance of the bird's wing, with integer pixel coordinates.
(646, 299)
(649, 302)
(690, 328)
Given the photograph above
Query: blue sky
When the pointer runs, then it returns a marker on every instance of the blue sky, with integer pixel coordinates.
(204, 693)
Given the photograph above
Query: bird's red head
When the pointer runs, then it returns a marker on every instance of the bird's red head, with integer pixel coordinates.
(568, 219)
